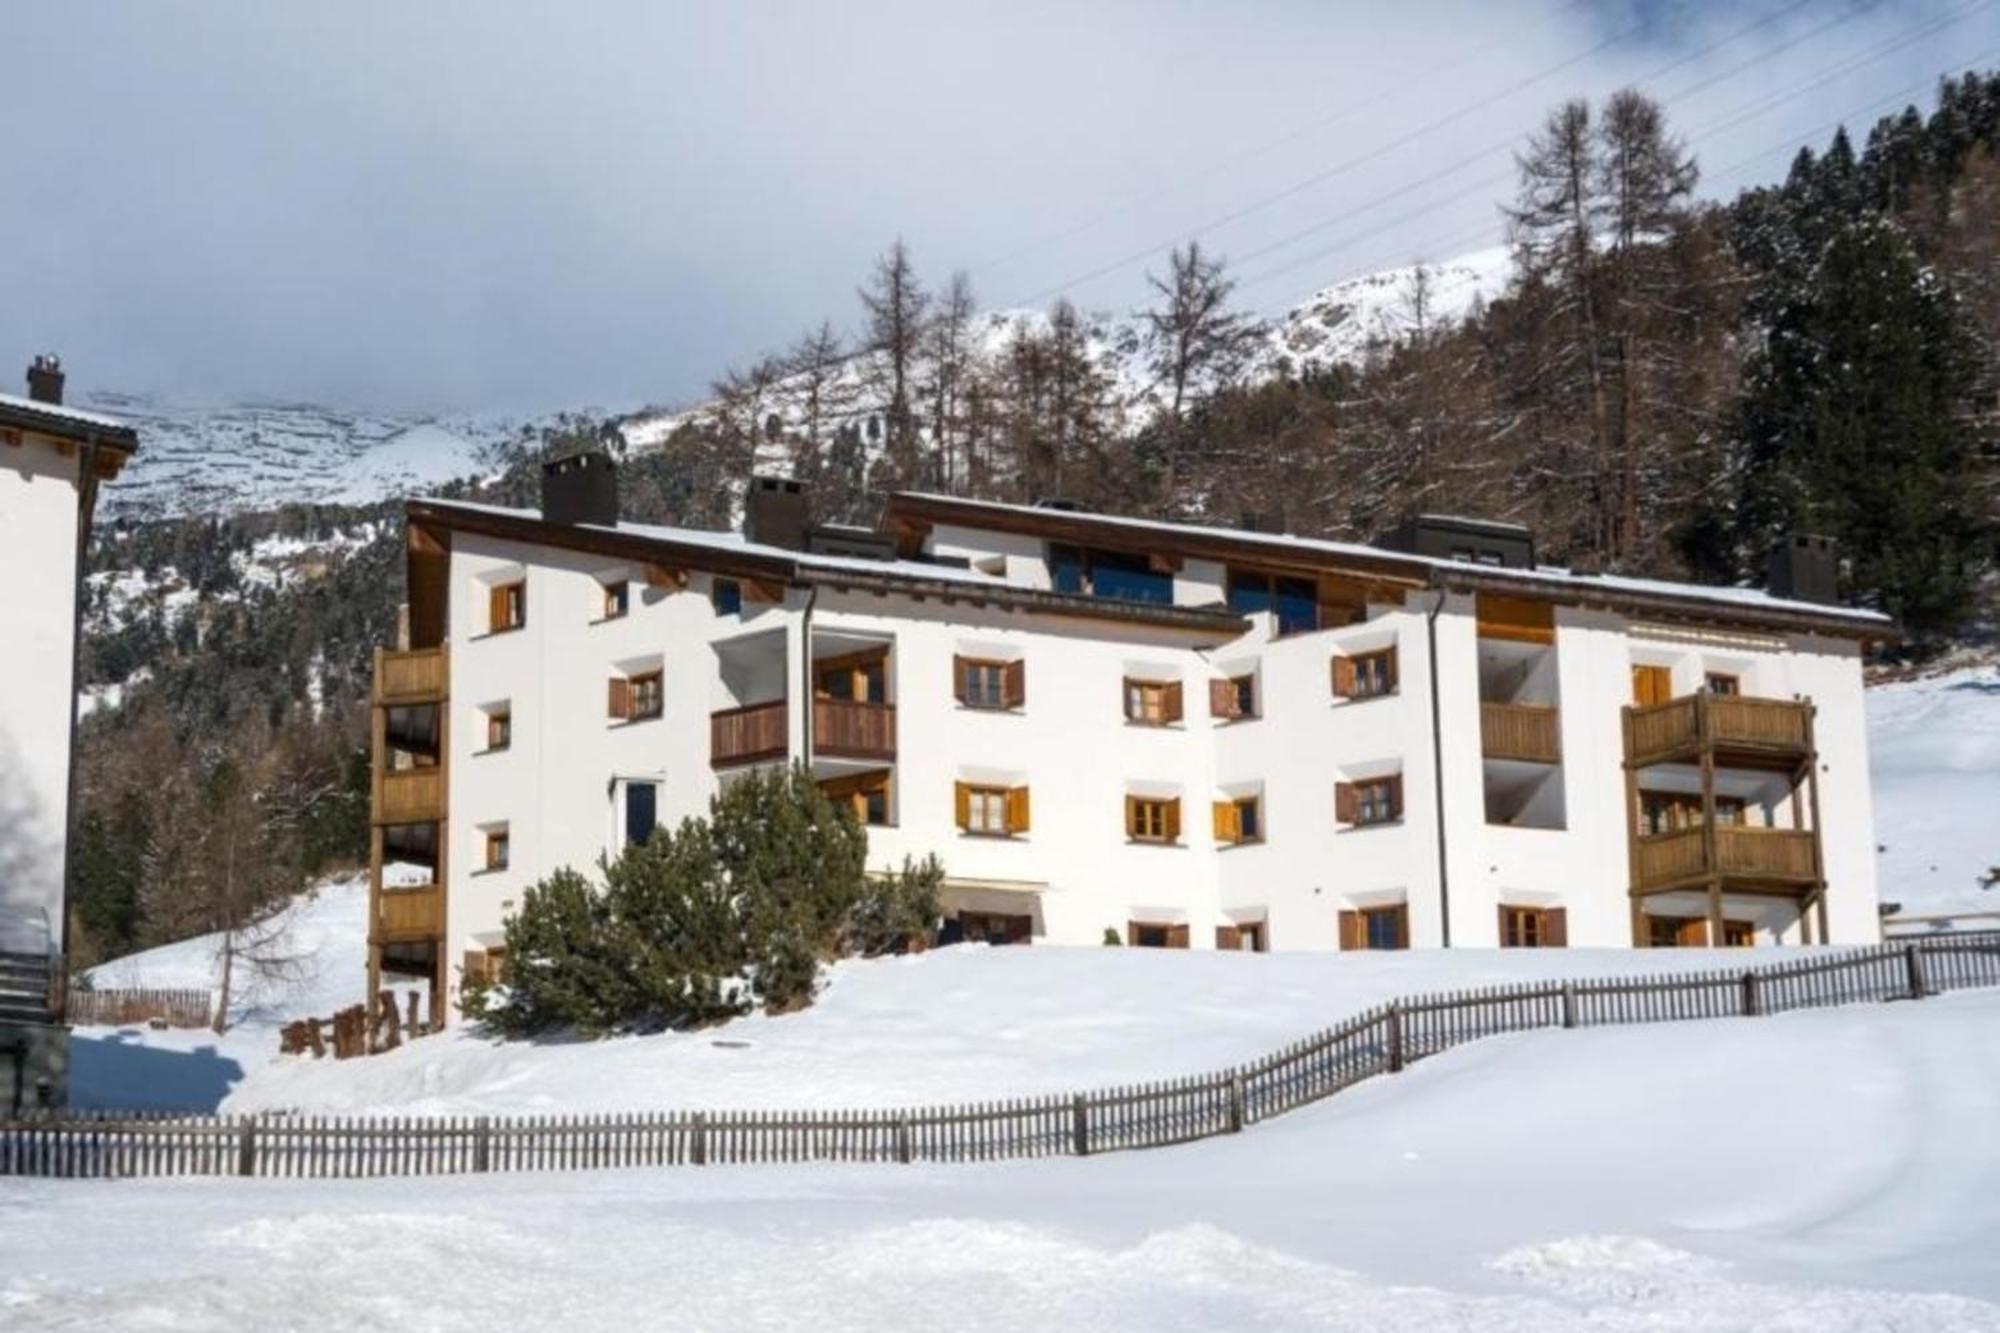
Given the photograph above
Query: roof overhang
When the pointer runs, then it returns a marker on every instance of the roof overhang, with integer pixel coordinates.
(23, 422)
(1218, 624)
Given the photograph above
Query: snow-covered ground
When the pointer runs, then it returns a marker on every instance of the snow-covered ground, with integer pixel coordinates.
(1827, 1171)
(1934, 762)
(138, 1068)
(964, 1023)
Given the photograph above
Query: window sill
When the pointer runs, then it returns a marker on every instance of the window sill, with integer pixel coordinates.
(1377, 824)
(606, 620)
(1153, 842)
(1366, 698)
(497, 633)
(1155, 726)
(1238, 719)
(488, 870)
(491, 749)
(1232, 844)
(619, 723)
(984, 836)
(1003, 710)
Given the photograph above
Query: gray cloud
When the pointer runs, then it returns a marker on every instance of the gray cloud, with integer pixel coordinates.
(486, 204)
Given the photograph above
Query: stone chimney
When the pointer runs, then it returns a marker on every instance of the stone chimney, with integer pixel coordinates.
(582, 488)
(775, 513)
(45, 379)
(1804, 568)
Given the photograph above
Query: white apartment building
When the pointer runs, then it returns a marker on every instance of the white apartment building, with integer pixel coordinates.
(1180, 735)
(52, 460)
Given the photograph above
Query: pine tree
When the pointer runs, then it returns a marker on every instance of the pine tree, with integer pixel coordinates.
(1856, 425)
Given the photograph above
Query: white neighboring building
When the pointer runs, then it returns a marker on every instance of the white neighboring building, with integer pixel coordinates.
(1187, 736)
(52, 460)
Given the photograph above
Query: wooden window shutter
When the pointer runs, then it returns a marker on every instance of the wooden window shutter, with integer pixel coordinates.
(1343, 677)
(1014, 683)
(496, 607)
(1389, 666)
(1395, 796)
(520, 603)
(958, 674)
(1174, 819)
(1346, 808)
(621, 697)
(1403, 926)
(1505, 943)
(1017, 810)
(962, 804)
(1225, 822)
(1170, 703)
(1131, 815)
(1555, 928)
(1228, 937)
(1222, 698)
(1177, 937)
(1351, 936)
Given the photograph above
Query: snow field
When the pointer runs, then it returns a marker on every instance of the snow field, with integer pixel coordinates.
(1817, 1171)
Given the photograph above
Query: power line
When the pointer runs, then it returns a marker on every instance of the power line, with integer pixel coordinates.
(1458, 114)
(1217, 167)
(1868, 56)
(1347, 165)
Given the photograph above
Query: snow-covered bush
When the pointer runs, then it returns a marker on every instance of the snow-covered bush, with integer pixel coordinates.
(704, 922)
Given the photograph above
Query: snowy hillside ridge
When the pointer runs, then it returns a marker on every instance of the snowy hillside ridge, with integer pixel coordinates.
(237, 457)
(1341, 325)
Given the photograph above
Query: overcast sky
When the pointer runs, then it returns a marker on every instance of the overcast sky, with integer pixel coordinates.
(431, 206)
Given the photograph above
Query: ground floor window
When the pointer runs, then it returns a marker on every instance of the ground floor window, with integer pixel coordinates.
(1244, 938)
(995, 928)
(1533, 927)
(1156, 935)
(1376, 928)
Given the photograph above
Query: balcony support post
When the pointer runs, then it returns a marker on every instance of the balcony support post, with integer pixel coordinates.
(1708, 840)
(1632, 835)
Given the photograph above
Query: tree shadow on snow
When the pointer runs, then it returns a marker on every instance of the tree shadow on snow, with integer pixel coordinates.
(117, 1071)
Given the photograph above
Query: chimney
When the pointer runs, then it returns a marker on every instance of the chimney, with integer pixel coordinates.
(1803, 568)
(774, 513)
(582, 488)
(45, 379)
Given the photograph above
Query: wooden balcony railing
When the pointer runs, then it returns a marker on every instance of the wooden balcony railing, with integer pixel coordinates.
(418, 675)
(1521, 731)
(409, 796)
(407, 914)
(746, 735)
(853, 730)
(1774, 727)
(1776, 856)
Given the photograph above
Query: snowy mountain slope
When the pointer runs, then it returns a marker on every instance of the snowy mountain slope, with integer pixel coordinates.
(1343, 324)
(228, 458)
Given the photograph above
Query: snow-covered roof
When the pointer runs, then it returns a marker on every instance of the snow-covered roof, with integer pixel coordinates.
(806, 564)
(55, 416)
(1553, 578)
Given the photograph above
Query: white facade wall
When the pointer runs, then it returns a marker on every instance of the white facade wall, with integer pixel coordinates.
(38, 532)
(556, 787)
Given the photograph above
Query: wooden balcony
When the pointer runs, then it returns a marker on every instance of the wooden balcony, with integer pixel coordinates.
(1745, 857)
(747, 735)
(419, 675)
(409, 914)
(1531, 732)
(409, 796)
(1739, 730)
(845, 729)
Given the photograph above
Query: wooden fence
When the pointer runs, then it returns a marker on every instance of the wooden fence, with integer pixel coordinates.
(1148, 1115)
(120, 1006)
